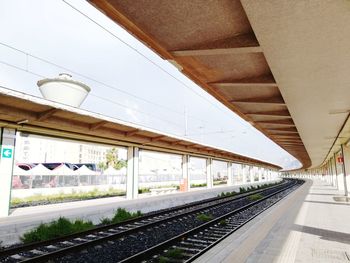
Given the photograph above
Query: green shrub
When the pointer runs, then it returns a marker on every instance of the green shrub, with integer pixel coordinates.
(163, 259)
(198, 185)
(218, 182)
(223, 222)
(123, 215)
(105, 221)
(54, 229)
(95, 193)
(204, 217)
(255, 197)
(143, 190)
(174, 253)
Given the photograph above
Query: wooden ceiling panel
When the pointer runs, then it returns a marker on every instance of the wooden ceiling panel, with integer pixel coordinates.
(212, 43)
(242, 92)
(230, 67)
(247, 108)
(174, 23)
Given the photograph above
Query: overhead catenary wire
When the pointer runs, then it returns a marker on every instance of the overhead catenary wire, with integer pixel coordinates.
(145, 57)
(93, 95)
(27, 54)
(26, 69)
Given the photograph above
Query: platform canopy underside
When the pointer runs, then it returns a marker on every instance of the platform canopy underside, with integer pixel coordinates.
(280, 65)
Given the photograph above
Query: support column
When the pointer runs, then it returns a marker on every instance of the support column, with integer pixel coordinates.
(229, 174)
(244, 173)
(251, 174)
(346, 165)
(209, 174)
(132, 182)
(185, 172)
(330, 172)
(336, 171)
(260, 174)
(334, 176)
(7, 143)
(265, 174)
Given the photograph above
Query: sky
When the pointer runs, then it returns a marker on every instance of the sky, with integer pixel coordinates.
(40, 39)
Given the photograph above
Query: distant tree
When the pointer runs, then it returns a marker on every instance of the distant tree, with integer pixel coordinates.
(102, 166)
(112, 159)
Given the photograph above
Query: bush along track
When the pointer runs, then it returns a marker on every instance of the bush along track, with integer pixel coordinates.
(64, 198)
(116, 242)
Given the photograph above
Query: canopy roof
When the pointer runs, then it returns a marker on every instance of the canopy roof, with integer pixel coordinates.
(281, 65)
(36, 115)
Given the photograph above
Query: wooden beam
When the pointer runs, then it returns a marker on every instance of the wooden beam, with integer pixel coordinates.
(295, 135)
(97, 125)
(46, 114)
(132, 132)
(259, 81)
(237, 44)
(282, 132)
(216, 51)
(285, 129)
(158, 138)
(261, 100)
(277, 122)
(175, 142)
(16, 113)
(283, 113)
(286, 143)
(288, 140)
(292, 145)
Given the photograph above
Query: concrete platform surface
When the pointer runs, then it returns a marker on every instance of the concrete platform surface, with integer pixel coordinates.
(309, 226)
(24, 219)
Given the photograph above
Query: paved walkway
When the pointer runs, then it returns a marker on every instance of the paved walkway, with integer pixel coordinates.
(307, 226)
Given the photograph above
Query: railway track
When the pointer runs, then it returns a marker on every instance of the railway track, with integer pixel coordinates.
(192, 244)
(120, 242)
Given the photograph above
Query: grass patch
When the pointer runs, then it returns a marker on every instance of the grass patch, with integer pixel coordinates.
(227, 194)
(63, 226)
(219, 182)
(163, 259)
(223, 222)
(122, 215)
(106, 221)
(61, 197)
(204, 217)
(198, 185)
(57, 228)
(255, 197)
(144, 190)
(174, 253)
(245, 190)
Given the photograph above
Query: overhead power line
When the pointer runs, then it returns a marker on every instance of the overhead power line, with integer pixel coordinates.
(96, 96)
(145, 57)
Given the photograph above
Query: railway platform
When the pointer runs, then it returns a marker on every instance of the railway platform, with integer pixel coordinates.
(310, 225)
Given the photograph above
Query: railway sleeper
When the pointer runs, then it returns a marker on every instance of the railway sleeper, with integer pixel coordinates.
(192, 244)
(207, 237)
(198, 241)
(189, 249)
(37, 252)
(18, 257)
